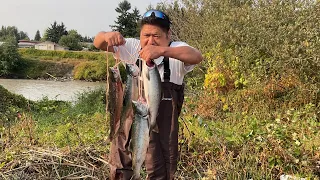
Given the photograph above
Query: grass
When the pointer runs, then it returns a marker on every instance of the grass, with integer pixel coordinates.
(56, 139)
(62, 55)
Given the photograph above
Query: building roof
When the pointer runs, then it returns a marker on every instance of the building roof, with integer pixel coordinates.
(27, 41)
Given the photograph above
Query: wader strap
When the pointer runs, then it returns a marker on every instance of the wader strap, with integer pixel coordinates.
(166, 72)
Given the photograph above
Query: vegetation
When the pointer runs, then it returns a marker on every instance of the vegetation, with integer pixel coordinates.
(72, 40)
(9, 57)
(57, 124)
(37, 37)
(12, 31)
(79, 65)
(251, 109)
(55, 32)
(127, 22)
(40, 69)
(60, 55)
(256, 110)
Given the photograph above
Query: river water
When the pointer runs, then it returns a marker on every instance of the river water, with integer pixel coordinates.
(54, 90)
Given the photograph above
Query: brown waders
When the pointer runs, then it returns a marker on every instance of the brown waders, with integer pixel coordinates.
(162, 155)
(120, 157)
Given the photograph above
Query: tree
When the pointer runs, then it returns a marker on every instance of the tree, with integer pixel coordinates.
(72, 40)
(127, 22)
(12, 31)
(87, 39)
(55, 32)
(23, 36)
(37, 37)
(9, 56)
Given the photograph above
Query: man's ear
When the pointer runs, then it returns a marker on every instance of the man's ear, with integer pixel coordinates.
(169, 34)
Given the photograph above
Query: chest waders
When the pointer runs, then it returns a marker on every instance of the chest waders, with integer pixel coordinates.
(162, 155)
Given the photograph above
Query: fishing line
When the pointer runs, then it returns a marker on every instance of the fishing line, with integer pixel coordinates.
(131, 61)
(107, 78)
(132, 57)
(117, 63)
(139, 81)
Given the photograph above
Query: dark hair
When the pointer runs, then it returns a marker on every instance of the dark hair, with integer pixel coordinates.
(164, 24)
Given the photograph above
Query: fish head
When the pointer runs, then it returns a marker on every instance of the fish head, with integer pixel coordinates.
(140, 107)
(133, 70)
(115, 74)
(152, 69)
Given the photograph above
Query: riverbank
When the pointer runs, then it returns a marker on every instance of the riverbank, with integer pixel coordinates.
(62, 65)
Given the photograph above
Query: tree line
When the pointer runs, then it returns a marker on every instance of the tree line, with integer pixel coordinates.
(126, 24)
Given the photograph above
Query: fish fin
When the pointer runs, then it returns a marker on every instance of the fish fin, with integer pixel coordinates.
(156, 128)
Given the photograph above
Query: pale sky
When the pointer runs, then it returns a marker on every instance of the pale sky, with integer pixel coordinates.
(88, 17)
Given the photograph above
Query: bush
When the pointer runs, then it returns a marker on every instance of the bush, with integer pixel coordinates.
(9, 105)
(9, 58)
(269, 38)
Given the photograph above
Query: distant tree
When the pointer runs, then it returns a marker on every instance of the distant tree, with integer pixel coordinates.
(75, 33)
(55, 32)
(72, 40)
(9, 56)
(127, 22)
(45, 36)
(150, 6)
(87, 39)
(23, 36)
(12, 31)
(37, 37)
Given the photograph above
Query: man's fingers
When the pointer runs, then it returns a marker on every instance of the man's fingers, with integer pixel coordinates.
(109, 43)
(112, 42)
(116, 42)
(121, 40)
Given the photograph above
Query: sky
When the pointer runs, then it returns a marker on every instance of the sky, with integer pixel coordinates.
(88, 17)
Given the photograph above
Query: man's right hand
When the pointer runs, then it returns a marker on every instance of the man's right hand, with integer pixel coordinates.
(106, 40)
(114, 38)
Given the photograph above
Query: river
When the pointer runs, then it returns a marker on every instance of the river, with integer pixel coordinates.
(54, 90)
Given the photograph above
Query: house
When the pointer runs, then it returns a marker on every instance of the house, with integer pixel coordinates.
(47, 45)
(27, 44)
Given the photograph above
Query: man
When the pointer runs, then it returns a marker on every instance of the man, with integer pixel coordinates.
(174, 61)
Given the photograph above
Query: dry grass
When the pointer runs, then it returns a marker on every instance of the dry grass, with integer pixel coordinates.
(39, 163)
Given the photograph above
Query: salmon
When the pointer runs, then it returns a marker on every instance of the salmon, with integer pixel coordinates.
(154, 94)
(139, 136)
(130, 92)
(115, 100)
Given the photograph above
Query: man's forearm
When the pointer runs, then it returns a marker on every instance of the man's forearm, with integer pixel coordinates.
(185, 54)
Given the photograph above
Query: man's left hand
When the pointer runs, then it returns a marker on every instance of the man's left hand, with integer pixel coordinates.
(151, 52)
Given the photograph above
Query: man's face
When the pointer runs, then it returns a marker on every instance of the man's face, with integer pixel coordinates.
(153, 35)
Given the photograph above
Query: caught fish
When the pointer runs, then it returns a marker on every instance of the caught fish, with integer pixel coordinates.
(139, 136)
(115, 99)
(154, 94)
(130, 93)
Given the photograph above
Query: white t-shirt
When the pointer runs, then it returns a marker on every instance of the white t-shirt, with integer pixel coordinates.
(129, 52)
